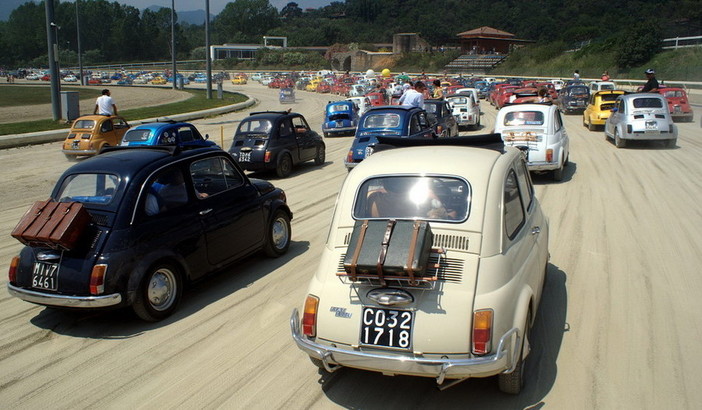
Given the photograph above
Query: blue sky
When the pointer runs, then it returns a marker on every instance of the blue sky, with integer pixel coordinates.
(6, 6)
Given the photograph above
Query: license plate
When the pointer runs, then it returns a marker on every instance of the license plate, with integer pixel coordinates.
(245, 156)
(677, 109)
(45, 276)
(369, 151)
(651, 125)
(75, 145)
(386, 328)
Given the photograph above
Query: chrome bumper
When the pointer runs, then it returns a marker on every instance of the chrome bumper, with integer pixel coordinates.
(441, 368)
(542, 166)
(79, 152)
(49, 299)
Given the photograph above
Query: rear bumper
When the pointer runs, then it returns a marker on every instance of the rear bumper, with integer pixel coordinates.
(439, 367)
(79, 152)
(49, 299)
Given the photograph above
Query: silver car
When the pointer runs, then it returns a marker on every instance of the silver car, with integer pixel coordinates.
(641, 116)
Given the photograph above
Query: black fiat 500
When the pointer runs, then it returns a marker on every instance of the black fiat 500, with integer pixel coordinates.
(161, 217)
(276, 140)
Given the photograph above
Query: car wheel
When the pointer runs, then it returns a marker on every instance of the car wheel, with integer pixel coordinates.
(512, 383)
(326, 135)
(321, 155)
(159, 293)
(284, 167)
(72, 158)
(618, 142)
(278, 235)
(558, 174)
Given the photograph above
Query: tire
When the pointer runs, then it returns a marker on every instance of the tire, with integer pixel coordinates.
(284, 167)
(71, 158)
(558, 174)
(320, 157)
(512, 383)
(278, 235)
(159, 293)
(618, 142)
(326, 135)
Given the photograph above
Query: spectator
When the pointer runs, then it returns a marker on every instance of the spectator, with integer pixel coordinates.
(651, 85)
(605, 76)
(576, 75)
(414, 97)
(105, 105)
(438, 91)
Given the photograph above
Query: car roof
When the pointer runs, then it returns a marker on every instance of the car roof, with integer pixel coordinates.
(394, 108)
(158, 125)
(527, 107)
(271, 115)
(632, 96)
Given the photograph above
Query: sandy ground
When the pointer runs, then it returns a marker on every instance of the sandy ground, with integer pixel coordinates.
(618, 328)
(125, 98)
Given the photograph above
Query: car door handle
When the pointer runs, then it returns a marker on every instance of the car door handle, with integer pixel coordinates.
(205, 211)
(535, 230)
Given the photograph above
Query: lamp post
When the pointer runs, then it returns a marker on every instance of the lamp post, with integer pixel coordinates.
(173, 49)
(51, 35)
(207, 50)
(80, 60)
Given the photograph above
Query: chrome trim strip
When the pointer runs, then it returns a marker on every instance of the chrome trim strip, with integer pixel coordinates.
(500, 362)
(64, 301)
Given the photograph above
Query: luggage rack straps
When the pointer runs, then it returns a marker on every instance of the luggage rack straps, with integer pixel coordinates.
(419, 281)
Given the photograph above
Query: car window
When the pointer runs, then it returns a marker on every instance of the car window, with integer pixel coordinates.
(431, 108)
(423, 121)
(436, 198)
(285, 129)
(300, 125)
(106, 126)
(383, 120)
(137, 135)
(254, 126)
(458, 100)
(648, 103)
(524, 118)
(165, 191)
(84, 124)
(525, 185)
(89, 188)
(119, 123)
(414, 124)
(513, 209)
(214, 175)
(557, 120)
(185, 134)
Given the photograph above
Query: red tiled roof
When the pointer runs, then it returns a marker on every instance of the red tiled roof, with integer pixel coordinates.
(485, 31)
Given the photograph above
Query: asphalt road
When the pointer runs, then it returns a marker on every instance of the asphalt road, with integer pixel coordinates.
(618, 328)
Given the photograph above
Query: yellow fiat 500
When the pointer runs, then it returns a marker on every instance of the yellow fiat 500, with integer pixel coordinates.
(90, 133)
(599, 108)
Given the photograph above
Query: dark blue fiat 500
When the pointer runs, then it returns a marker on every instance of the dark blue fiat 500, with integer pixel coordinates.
(397, 121)
(161, 217)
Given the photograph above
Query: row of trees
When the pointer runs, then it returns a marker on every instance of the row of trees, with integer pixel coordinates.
(112, 32)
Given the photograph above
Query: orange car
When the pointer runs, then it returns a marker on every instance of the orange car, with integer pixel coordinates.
(90, 133)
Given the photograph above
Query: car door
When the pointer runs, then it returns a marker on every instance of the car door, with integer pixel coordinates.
(450, 119)
(305, 137)
(229, 209)
(107, 133)
(560, 137)
(424, 128)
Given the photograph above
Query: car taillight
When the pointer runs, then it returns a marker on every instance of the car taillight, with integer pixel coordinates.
(267, 156)
(482, 331)
(549, 155)
(349, 156)
(12, 274)
(309, 316)
(97, 279)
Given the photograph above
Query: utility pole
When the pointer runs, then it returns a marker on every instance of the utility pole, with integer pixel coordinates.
(80, 59)
(207, 50)
(51, 28)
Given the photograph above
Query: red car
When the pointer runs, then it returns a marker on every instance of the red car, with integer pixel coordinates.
(678, 103)
(46, 77)
(376, 99)
(450, 90)
(503, 94)
(324, 88)
(496, 89)
(94, 81)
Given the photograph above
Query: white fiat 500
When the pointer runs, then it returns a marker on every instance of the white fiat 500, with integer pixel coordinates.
(538, 129)
(641, 116)
(466, 309)
(466, 111)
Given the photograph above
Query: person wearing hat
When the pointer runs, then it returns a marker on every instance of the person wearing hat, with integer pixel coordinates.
(651, 85)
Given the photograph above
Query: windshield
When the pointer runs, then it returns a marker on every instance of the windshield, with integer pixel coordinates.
(137, 135)
(254, 126)
(648, 103)
(84, 124)
(524, 118)
(577, 91)
(89, 188)
(386, 120)
(413, 197)
(431, 108)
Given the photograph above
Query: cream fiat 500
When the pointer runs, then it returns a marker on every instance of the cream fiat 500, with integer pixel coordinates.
(434, 265)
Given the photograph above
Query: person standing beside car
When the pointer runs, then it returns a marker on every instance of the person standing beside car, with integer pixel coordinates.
(414, 97)
(651, 85)
(105, 105)
(438, 91)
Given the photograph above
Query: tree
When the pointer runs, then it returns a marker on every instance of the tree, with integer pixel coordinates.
(639, 43)
(252, 18)
(291, 10)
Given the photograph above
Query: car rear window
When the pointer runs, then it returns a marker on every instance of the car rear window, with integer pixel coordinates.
(339, 107)
(89, 188)
(434, 198)
(578, 91)
(386, 120)
(261, 127)
(515, 118)
(137, 135)
(458, 100)
(84, 124)
(673, 93)
(609, 97)
(648, 103)
(431, 108)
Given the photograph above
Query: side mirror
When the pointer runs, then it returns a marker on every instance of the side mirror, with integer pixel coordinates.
(207, 136)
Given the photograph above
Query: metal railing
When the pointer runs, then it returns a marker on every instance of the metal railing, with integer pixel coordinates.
(680, 42)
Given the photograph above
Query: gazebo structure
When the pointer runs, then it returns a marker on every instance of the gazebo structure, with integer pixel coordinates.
(488, 40)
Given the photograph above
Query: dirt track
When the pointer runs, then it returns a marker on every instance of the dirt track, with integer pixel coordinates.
(619, 325)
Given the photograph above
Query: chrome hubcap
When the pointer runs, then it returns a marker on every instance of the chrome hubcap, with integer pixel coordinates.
(279, 233)
(161, 290)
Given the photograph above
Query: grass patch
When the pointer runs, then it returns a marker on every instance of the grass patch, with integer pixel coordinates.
(13, 95)
(198, 101)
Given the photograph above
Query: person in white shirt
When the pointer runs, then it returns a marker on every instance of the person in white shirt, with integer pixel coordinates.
(105, 105)
(414, 97)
